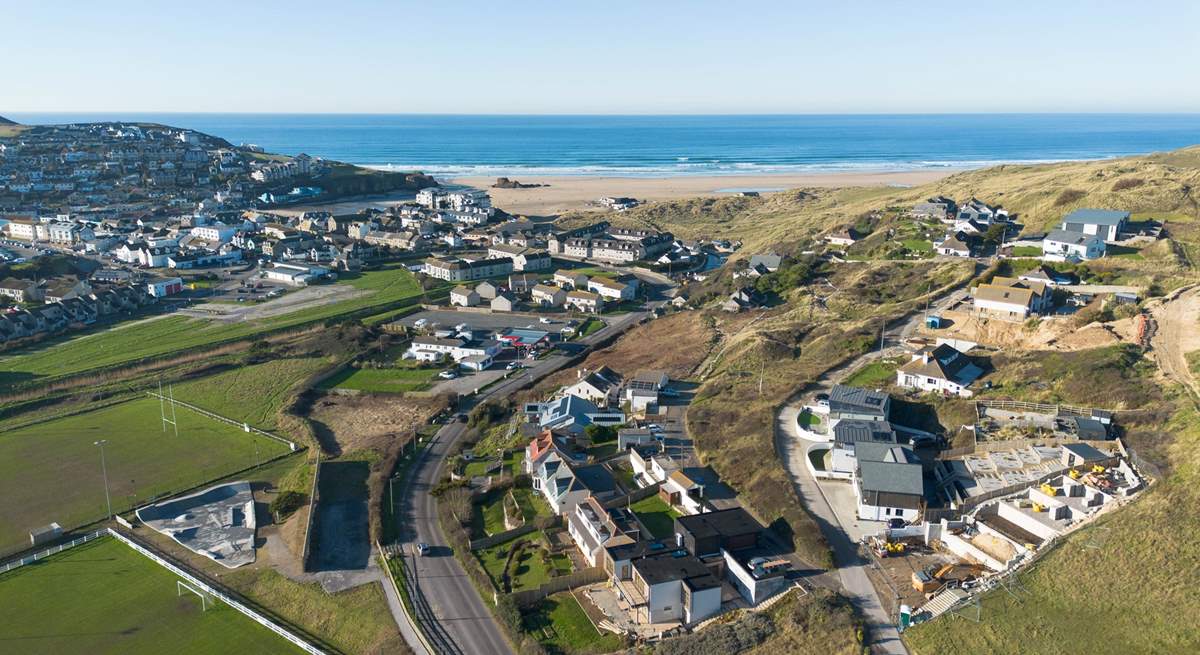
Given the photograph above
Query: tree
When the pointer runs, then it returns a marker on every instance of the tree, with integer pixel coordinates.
(995, 233)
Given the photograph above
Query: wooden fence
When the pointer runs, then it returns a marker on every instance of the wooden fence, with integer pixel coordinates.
(587, 576)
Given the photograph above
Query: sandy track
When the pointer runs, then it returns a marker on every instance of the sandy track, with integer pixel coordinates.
(306, 298)
(1178, 334)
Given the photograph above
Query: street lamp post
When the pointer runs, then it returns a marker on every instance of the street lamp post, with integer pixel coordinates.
(104, 471)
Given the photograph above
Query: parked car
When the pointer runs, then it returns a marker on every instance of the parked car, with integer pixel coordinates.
(545, 320)
(422, 549)
(513, 365)
(447, 375)
(420, 323)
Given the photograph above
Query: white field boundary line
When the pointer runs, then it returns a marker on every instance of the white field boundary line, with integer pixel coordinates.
(218, 594)
(224, 419)
(53, 550)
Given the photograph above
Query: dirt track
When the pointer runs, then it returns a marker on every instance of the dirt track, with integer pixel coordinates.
(1178, 334)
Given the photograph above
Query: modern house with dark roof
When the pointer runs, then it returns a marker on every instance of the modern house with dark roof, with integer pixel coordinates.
(848, 434)
(858, 403)
(670, 587)
(709, 533)
(1104, 223)
(942, 370)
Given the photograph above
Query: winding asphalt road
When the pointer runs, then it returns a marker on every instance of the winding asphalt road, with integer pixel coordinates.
(454, 616)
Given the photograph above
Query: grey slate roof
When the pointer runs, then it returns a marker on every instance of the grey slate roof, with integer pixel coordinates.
(887, 477)
(1096, 216)
(856, 431)
(857, 400)
(1070, 236)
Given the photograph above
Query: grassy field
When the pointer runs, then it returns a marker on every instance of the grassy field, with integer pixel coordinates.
(561, 625)
(354, 621)
(658, 517)
(51, 471)
(104, 597)
(161, 336)
(404, 377)
(875, 374)
(252, 393)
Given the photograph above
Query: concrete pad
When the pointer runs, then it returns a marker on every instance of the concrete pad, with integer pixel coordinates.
(218, 522)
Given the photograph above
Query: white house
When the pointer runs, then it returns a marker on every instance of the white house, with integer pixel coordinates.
(889, 483)
(667, 588)
(1104, 223)
(1011, 299)
(1063, 245)
(463, 297)
(601, 386)
(584, 301)
(942, 370)
(612, 289)
(952, 246)
(164, 287)
(548, 296)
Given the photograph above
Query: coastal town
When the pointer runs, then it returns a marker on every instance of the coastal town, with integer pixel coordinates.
(529, 404)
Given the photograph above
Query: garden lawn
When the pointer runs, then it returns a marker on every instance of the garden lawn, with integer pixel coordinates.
(104, 597)
(1026, 251)
(530, 570)
(50, 471)
(658, 517)
(873, 375)
(561, 625)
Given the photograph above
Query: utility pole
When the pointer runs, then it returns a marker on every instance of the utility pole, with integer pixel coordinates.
(104, 471)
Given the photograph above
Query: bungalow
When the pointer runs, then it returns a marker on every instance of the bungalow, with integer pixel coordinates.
(463, 297)
(1104, 223)
(742, 299)
(570, 279)
(938, 207)
(548, 296)
(943, 370)
(1011, 298)
(431, 349)
(952, 246)
(1063, 245)
(843, 237)
(584, 301)
(889, 483)
(1046, 276)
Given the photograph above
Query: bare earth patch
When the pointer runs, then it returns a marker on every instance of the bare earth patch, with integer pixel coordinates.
(370, 421)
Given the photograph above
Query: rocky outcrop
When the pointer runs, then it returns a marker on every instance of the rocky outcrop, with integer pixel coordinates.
(505, 183)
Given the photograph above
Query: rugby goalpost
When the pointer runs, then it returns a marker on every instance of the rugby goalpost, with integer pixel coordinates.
(205, 599)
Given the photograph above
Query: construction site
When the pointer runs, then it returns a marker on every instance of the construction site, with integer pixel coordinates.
(942, 564)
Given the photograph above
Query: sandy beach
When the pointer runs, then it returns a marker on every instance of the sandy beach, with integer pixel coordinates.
(566, 193)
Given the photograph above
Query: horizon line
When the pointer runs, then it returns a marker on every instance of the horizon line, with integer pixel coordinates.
(602, 115)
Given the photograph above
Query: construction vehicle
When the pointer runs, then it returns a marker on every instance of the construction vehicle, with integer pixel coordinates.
(1096, 468)
(1049, 490)
(1038, 507)
(1075, 474)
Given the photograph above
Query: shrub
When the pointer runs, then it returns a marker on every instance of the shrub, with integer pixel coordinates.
(1128, 183)
(287, 502)
(725, 638)
(1069, 196)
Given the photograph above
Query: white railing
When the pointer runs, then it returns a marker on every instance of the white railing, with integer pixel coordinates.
(53, 550)
(217, 417)
(217, 593)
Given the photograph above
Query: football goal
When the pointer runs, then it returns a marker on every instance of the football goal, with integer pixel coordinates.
(206, 599)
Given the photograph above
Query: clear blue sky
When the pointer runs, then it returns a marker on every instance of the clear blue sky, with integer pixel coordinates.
(647, 56)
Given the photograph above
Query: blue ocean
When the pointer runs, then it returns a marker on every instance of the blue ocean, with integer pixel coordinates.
(655, 146)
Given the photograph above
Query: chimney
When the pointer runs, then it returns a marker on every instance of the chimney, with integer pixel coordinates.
(924, 356)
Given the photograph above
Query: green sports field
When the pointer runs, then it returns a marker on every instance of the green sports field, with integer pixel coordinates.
(51, 471)
(385, 288)
(104, 597)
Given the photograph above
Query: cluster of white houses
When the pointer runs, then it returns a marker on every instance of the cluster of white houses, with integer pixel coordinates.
(564, 290)
(660, 579)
